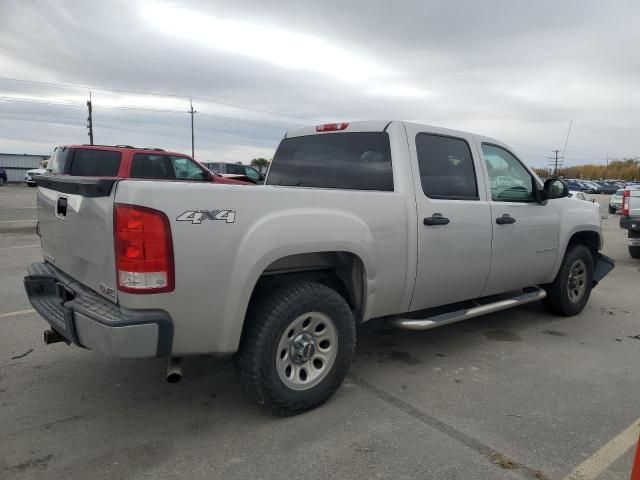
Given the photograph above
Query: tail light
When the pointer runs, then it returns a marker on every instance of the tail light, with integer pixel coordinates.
(331, 127)
(144, 251)
(625, 202)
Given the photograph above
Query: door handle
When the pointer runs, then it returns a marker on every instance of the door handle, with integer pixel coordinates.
(505, 219)
(436, 219)
(61, 207)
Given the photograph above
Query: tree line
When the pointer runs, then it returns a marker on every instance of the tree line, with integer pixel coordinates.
(628, 169)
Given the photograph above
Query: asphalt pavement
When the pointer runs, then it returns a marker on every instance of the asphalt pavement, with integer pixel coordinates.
(516, 394)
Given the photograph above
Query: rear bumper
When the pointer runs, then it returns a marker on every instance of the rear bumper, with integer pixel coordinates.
(88, 320)
(630, 223)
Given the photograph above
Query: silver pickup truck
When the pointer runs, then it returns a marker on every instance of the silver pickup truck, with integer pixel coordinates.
(417, 225)
(630, 218)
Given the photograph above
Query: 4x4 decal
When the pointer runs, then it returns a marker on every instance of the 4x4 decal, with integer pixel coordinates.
(196, 217)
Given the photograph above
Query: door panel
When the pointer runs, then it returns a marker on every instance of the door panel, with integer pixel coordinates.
(525, 247)
(524, 252)
(454, 221)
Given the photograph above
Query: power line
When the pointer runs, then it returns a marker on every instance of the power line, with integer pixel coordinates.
(175, 95)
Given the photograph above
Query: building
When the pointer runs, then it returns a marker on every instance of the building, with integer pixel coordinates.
(16, 165)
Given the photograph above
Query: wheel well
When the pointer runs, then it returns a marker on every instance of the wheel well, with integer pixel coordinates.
(589, 239)
(342, 271)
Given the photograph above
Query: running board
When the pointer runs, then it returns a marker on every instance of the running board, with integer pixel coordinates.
(532, 295)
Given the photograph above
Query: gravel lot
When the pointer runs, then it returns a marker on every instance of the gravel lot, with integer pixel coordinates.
(517, 394)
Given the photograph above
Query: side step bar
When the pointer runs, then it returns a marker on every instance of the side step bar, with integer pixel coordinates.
(532, 295)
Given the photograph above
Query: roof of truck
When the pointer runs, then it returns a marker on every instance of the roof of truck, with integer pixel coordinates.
(122, 148)
(381, 126)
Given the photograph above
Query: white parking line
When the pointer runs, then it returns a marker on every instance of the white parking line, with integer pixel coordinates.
(19, 221)
(16, 313)
(20, 246)
(607, 455)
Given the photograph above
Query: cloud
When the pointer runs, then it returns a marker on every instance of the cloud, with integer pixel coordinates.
(517, 72)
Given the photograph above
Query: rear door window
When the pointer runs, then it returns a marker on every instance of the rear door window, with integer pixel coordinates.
(355, 161)
(94, 163)
(446, 167)
(165, 167)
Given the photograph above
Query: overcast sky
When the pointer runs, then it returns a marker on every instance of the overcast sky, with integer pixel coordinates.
(518, 71)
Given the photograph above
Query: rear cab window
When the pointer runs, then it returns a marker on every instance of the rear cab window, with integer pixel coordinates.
(84, 162)
(351, 161)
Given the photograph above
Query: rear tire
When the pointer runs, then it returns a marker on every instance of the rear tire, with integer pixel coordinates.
(2, 182)
(570, 291)
(634, 251)
(296, 348)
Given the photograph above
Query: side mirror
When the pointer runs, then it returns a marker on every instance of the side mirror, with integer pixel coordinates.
(555, 188)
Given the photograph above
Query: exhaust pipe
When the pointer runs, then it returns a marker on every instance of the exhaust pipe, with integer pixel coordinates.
(52, 336)
(174, 370)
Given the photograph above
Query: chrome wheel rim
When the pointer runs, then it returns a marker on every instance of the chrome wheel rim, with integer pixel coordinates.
(577, 283)
(307, 351)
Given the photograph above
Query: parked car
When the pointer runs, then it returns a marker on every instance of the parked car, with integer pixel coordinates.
(361, 220)
(582, 196)
(31, 175)
(3, 176)
(236, 169)
(608, 188)
(615, 201)
(630, 219)
(575, 185)
(124, 161)
(591, 187)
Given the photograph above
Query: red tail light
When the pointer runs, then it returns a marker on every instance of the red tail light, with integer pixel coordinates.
(144, 251)
(331, 127)
(625, 202)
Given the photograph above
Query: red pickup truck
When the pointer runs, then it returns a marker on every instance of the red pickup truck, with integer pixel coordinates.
(124, 161)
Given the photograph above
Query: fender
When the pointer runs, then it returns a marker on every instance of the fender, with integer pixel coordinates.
(565, 236)
(270, 239)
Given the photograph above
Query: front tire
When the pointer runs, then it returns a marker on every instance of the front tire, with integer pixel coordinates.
(296, 348)
(570, 291)
(612, 210)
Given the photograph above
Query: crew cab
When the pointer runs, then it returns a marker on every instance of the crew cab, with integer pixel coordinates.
(397, 221)
(630, 219)
(125, 161)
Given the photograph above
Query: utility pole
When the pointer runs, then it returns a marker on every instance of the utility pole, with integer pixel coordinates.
(90, 120)
(556, 158)
(191, 112)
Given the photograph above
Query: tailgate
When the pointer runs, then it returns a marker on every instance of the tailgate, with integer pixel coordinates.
(75, 224)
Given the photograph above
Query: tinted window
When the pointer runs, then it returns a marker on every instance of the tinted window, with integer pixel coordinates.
(446, 167)
(58, 160)
(166, 167)
(94, 163)
(509, 180)
(357, 161)
(235, 169)
(619, 192)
